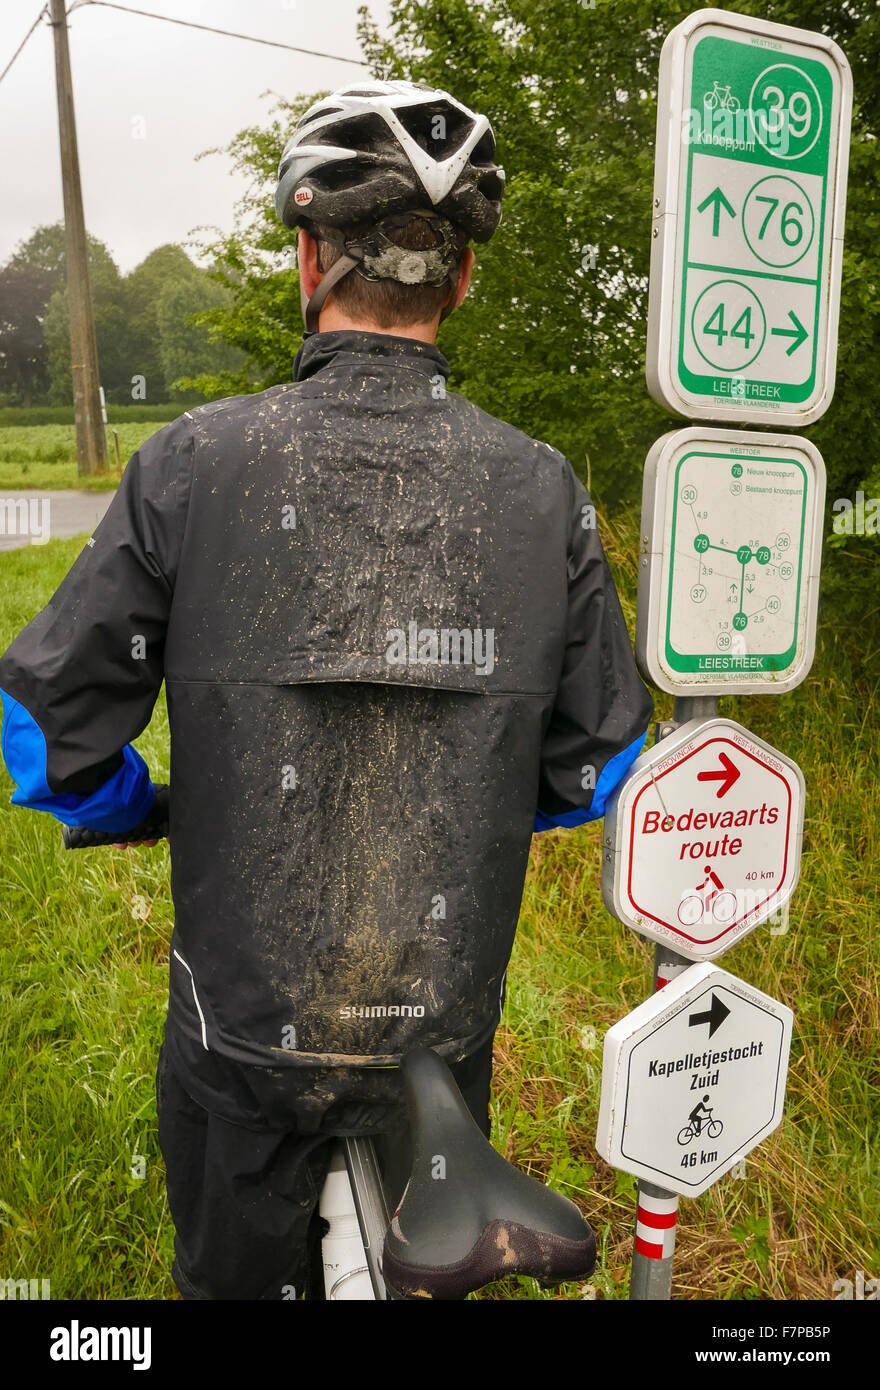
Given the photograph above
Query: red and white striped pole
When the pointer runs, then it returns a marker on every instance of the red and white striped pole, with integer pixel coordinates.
(657, 1213)
(656, 1220)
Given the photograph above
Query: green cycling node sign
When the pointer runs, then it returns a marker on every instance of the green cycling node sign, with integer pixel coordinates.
(731, 551)
(753, 131)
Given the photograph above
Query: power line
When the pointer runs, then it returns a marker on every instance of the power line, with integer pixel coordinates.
(23, 42)
(208, 29)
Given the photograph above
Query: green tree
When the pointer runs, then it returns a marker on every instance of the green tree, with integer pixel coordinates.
(110, 317)
(192, 355)
(24, 294)
(127, 319)
(45, 249)
(43, 254)
(255, 263)
(165, 268)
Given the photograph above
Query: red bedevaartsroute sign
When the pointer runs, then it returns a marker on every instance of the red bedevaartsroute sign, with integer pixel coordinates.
(703, 841)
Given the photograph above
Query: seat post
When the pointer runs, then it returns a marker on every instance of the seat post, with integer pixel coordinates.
(369, 1200)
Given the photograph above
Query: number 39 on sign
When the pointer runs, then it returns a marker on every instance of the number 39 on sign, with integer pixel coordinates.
(749, 199)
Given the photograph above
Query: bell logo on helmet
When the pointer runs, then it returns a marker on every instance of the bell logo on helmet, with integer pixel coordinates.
(303, 196)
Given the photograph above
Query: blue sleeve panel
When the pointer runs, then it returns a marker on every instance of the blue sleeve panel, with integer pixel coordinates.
(120, 804)
(609, 779)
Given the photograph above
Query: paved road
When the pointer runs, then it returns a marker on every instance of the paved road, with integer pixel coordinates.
(32, 517)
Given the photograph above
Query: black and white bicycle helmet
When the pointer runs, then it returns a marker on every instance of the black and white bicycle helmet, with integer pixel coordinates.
(384, 152)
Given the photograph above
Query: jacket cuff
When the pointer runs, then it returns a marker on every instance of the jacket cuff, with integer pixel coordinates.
(119, 804)
(609, 780)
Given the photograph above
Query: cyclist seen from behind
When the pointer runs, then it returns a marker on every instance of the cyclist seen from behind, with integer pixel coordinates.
(392, 649)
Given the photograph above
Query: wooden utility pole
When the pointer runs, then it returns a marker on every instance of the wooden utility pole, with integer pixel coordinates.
(91, 443)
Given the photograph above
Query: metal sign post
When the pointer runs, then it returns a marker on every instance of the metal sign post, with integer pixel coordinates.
(657, 1209)
(749, 199)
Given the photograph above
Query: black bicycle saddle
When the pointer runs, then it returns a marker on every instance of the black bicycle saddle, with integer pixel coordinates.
(466, 1216)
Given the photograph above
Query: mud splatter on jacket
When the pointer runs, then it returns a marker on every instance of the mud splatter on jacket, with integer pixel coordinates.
(392, 648)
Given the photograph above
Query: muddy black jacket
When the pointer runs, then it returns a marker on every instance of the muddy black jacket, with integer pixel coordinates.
(392, 649)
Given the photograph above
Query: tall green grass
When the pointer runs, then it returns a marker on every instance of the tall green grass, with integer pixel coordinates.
(83, 963)
(44, 456)
(83, 958)
(808, 1209)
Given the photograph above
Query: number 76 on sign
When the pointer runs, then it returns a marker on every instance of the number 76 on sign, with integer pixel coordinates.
(749, 202)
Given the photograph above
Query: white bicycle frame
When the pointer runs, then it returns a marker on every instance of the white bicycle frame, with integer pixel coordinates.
(353, 1203)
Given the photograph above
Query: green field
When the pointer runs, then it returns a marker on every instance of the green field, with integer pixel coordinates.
(84, 943)
(44, 456)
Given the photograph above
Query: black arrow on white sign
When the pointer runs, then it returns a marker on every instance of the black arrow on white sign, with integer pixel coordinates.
(714, 1016)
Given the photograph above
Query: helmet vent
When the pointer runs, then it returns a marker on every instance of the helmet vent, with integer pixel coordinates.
(311, 116)
(367, 133)
(483, 153)
(437, 128)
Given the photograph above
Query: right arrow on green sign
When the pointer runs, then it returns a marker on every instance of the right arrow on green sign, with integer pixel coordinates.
(798, 333)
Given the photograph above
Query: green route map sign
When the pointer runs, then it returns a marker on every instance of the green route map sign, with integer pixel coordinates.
(749, 199)
(729, 570)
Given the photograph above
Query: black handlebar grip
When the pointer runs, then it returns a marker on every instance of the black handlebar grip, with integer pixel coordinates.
(154, 826)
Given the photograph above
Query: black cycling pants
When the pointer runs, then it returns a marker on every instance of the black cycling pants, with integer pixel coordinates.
(244, 1202)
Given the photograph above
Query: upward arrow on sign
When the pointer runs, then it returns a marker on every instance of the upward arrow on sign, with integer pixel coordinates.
(716, 200)
(727, 776)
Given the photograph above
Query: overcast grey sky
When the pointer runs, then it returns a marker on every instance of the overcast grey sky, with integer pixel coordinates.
(186, 90)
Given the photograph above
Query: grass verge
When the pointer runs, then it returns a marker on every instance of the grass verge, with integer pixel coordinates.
(44, 456)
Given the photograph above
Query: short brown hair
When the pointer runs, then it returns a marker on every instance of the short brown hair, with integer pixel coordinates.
(386, 302)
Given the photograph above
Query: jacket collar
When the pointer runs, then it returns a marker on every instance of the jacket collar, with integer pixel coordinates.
(350, 348)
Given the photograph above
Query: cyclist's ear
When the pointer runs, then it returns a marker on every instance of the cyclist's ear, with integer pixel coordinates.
(307, 261)
(464, 278)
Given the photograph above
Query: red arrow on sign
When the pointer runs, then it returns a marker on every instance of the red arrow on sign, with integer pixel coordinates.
(727, 777)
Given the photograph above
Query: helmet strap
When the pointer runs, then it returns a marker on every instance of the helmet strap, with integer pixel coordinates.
(311, 308)
(353, 254)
